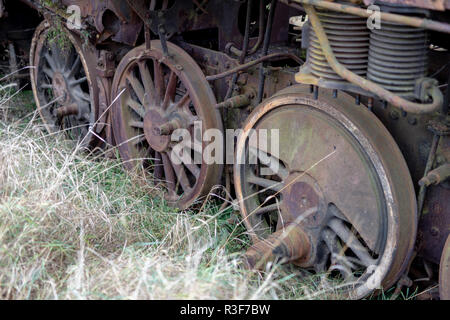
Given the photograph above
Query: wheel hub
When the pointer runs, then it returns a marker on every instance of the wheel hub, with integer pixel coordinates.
(60, 87)
(64, 93)
(310, 207)
(152, 121)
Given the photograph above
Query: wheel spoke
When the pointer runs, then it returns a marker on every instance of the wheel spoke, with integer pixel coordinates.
(86, 97)
(75, 67)
(138, 139)
(345, 271)
(50, 61)
(152, 5)
(184, 102)
(168, 172)
(150, 91)
(159, 80)
(46, 86)
(78, 81)
(136, 124)
(137, 87)
(49, 72)
(352, 242)
(189, 163)
(270, 161)
(171, 90)
(193, 168)
(136, 107)
(182, 177)
(158, 166)
(265, 183)
(267, 209)
(81, 95)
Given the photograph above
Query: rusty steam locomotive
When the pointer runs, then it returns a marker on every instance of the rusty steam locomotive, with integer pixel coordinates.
(358, 89)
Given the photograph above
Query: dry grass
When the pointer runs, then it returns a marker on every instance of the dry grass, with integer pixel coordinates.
(75, 226)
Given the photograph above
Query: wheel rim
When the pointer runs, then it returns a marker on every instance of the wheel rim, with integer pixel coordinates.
(329, 174)
(159, 95)
(444, 272)
(62, 86)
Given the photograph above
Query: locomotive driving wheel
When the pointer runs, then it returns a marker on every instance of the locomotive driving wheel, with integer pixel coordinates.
(158, 96)
(62, 84)
(331, 193)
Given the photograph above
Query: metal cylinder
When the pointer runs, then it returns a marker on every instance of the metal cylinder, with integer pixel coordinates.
(349, 38)
(397, 56)
(290, 244)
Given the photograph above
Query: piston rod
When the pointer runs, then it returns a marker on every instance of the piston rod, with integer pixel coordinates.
(384, 16)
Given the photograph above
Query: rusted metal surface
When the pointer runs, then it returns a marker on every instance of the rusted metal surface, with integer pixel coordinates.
(330, 184)
(427, 4)
(252, 63)
(444, 272)
(112, 19)
(261, 18)
(368, 85)
(436, 176)
(214, 35)
(172, 93)
(239, 101)
(396, 18)
(61, 81)
(286, 245)
(434, 226)
(349, 39)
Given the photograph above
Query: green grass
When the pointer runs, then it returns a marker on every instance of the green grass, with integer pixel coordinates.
(77, 226)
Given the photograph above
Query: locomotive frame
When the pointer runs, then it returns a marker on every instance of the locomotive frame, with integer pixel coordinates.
(135, 71)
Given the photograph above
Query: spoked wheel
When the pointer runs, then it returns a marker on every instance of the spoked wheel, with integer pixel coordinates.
(334, 197)
(158, 98)
(65, 94)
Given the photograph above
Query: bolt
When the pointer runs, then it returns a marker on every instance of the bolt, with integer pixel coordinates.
(434, 231)
(440, 160)
(412, 121)
(370, 104)
(394, 115)
(304, 201)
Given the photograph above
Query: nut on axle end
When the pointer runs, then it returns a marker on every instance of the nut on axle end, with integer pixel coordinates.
(288, 245)
(68, 110)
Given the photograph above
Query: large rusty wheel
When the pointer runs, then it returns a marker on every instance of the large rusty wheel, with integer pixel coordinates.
(158, 95)
(444, 272)
(62, 84)
(336, 198)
